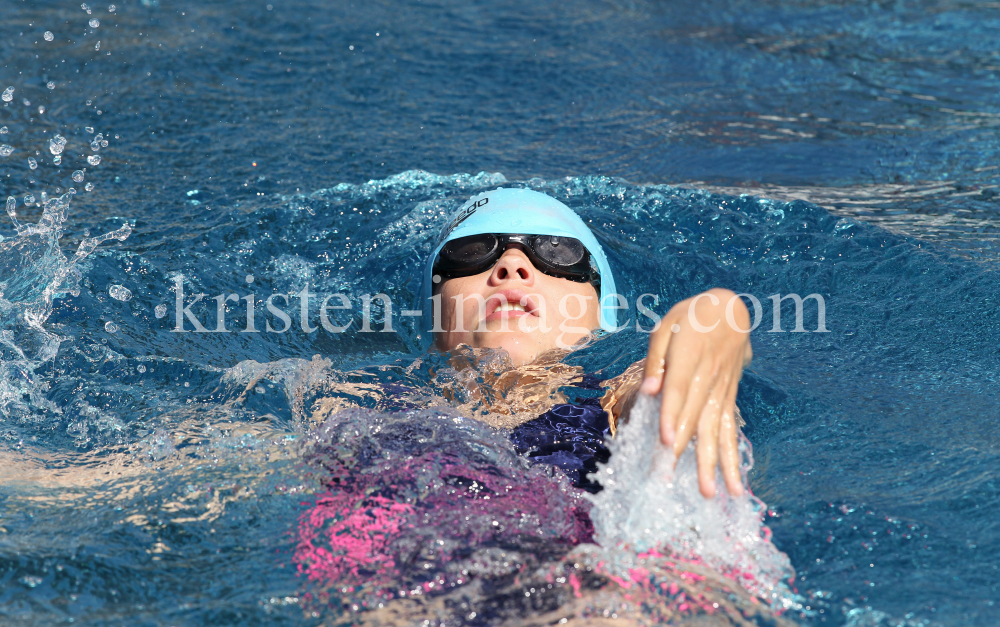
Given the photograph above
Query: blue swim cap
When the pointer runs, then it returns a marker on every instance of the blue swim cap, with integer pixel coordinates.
(530, 213)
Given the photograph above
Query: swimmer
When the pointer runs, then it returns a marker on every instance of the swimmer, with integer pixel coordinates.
(520, 271)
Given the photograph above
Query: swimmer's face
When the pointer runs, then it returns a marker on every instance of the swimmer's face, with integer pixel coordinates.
(515, 307)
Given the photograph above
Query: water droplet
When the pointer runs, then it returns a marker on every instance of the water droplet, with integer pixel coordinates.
(57, 144)
(110, 327)
(5, 150)
(57, 159)
(94, 22)
(95, 145)
(51, 84)
(11, 206)
(187, 384)
(94, 159)
(27, 102)
(249, 278)
(3, 130)
(90, 102)
(141, 368)
(120, 292)
(78, 176)
(112, 8)
(89, 187)
(89, 129)
(104, 143)
(85, 7)
(160, 311)
(32, 163)
(41, 109)
(29, 199)
(8, 94)
(48, 35)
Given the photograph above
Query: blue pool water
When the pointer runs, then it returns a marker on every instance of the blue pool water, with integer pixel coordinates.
(848, 149)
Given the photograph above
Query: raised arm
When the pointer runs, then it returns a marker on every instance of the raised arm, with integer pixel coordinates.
(696, 355)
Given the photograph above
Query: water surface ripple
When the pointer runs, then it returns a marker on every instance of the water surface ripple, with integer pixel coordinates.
(848, 149)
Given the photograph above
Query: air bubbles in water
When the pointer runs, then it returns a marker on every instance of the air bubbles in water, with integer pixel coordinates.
(8, 94)
(49, 36)
(141, 368)
(89, 187)
(98, 46)
(32, 163)
(57, 159)
(89, 129)
(5, 150)
(29, 199)
(41, 109)
(95, 145)
(85, 7)
(160, 310)
(94, 159)
(3, 130)
(111, 9)
(94, 22)
(120, 292)
(78, 176)
(57, 144)
(51, 84)
(110, 327)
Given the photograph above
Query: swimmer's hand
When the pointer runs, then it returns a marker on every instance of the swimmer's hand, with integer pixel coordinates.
(697, 356)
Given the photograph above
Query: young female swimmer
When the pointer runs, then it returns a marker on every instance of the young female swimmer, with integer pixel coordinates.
(519, 270)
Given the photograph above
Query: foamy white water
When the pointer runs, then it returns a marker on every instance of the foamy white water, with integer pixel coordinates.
(648, 505)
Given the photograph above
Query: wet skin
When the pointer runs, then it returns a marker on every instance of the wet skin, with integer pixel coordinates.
(696, 352)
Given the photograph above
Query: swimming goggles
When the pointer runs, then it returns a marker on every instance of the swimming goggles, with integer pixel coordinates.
(562, 257)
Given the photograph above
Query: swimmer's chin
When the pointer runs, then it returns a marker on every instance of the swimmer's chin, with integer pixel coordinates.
(521, 348)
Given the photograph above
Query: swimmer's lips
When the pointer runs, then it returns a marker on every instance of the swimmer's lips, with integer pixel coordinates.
(512, 297)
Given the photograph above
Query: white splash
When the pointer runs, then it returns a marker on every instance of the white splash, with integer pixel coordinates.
(34, 272)
(647, 505)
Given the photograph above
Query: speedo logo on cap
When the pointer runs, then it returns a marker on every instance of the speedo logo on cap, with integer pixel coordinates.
(466, 212)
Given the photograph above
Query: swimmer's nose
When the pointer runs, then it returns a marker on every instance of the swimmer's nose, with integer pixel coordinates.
(513, 265)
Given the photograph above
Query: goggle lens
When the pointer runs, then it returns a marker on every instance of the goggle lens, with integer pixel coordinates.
(470, 250)
(564, 257)
(560, 251)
